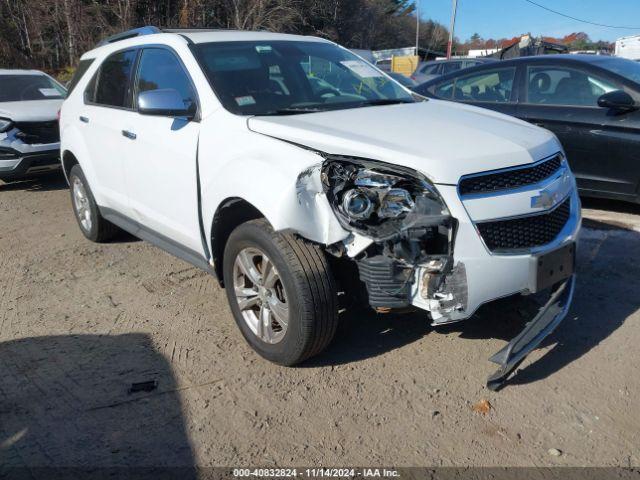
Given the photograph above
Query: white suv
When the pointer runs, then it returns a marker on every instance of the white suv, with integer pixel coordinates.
(294, 171)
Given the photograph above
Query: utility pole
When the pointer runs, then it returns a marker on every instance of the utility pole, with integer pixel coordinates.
(417, 27)
(453, 27)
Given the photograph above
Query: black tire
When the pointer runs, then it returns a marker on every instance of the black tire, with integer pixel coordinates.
(101, 230)
(310, 291)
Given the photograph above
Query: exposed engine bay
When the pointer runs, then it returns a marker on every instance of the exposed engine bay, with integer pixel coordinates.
(412, 231)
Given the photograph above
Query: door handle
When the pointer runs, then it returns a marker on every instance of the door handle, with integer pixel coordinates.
(84, 119)
(129, 135)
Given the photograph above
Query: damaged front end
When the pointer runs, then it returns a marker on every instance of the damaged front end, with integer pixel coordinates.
(28, 148)
(402, 238)
(409, 235)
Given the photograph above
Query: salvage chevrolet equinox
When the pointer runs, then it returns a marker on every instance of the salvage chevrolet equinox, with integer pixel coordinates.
(300, 175)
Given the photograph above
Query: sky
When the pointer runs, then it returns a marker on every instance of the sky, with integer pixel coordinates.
(510, 18)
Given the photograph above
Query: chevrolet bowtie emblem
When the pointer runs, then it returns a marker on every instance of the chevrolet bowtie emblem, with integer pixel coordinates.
(545, 200)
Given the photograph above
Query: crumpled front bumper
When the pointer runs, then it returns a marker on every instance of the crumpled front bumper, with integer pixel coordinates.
(542, 325)
(480, 276)
(15, 164)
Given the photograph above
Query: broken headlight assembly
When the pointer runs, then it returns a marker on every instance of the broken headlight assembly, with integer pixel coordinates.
(405, 216)
(379, 200)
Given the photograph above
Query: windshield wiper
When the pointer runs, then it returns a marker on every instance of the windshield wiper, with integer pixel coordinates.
(296, 110)
(384, 101)
(336, 106)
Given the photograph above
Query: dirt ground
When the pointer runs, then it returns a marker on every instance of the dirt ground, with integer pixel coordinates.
(80, 322)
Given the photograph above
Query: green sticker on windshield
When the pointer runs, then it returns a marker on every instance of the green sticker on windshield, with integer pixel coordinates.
(263, 48)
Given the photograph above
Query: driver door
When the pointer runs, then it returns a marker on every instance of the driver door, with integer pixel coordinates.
(160, 169)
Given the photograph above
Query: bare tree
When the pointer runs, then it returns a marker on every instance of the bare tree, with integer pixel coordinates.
(52, 34)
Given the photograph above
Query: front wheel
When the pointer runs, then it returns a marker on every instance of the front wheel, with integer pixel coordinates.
(281, 292)
(92, 225)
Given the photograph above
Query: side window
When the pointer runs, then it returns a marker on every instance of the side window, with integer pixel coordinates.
(487, 86)
(160, 69)
(451, 67)
(565, 86)
(431, 69)
(113, 87)
(444, 90)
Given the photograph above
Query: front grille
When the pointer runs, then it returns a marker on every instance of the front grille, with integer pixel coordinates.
(506, 180)
(38, 132)
(525, 232)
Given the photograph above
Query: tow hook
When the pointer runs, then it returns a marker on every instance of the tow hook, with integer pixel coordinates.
(545, 322)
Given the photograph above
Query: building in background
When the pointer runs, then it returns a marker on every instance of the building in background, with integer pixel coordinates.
(485, 52)
(529, 46)
(628, 47)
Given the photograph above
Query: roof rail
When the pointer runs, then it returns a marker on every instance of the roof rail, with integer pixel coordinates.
(136, 32)
(195, 29)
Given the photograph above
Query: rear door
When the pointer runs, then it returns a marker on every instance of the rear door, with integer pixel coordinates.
(492, 88)
(108, 106)
(161, 155)
(602, 146)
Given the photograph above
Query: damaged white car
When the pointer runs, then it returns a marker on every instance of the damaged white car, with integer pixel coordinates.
(294, 171)
(29, 135)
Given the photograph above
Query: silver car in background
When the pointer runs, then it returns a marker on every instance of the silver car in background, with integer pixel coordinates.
(29, 133)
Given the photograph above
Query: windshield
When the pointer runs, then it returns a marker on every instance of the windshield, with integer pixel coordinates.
(19, 88)
(284, 77)
(626, 68)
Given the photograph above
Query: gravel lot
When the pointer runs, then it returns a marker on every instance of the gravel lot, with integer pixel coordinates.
(80, 322)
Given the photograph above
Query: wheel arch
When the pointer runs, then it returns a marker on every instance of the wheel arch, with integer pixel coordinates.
(68, 161)
(231, 213)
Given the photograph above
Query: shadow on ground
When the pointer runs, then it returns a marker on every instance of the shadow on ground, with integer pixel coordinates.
(64, 402)
(43, 183)
(606, 295)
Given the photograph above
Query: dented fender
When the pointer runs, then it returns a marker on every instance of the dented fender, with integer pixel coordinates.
(279, 179)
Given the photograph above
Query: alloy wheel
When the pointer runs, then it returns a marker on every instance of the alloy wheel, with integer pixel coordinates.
(81, 202)
(261, 296)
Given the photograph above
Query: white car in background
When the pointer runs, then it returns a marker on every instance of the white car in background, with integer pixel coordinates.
(29, 136)
(295, 171)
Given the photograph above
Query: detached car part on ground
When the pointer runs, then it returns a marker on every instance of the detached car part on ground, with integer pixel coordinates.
(293, 179)
(29, 134)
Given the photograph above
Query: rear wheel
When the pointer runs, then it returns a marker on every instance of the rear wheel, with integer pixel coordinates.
(90, 220)
(281, 293)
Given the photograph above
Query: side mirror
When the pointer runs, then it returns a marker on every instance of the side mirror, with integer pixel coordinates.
(618, 100)
(165, 103)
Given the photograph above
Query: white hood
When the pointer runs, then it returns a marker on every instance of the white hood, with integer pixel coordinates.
(31, 111)
(443, 140)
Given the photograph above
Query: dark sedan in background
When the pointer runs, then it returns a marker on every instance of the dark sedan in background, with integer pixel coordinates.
(592, 103)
